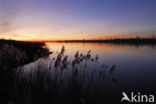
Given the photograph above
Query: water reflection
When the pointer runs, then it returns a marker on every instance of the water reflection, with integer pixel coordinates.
(81, 80)
(135, 63)
(83, 77)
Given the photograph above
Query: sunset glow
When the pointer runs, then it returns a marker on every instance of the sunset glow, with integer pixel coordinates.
(76, 19)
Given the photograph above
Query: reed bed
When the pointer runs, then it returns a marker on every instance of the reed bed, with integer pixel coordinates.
(82, 80)
(57, 80)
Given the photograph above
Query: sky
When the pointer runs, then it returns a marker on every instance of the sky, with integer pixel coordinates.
(76, 19)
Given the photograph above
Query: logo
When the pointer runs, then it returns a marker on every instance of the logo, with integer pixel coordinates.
(137, 97)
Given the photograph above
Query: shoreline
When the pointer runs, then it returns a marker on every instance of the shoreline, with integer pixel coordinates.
(21, 53)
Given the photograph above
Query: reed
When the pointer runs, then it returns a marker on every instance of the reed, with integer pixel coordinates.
(60, 80)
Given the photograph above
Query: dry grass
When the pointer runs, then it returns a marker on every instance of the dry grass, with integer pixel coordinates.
(11, 55)
(59, 80)
(54, 79)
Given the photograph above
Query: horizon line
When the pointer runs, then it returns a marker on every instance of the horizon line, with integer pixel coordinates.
(82, 40)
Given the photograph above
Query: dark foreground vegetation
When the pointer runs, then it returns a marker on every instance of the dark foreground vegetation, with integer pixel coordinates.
(12, 55)
(20, 53)
(53, 80)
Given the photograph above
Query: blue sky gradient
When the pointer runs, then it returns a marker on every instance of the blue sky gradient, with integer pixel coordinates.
(76, 19)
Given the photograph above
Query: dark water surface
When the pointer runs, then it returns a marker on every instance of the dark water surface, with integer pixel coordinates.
(135, 64)
(135, 68)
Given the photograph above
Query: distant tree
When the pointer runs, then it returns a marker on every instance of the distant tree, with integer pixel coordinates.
(137, 37)
(153, 37)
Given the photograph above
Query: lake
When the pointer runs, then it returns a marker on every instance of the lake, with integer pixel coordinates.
(135, 64)
(135, 67)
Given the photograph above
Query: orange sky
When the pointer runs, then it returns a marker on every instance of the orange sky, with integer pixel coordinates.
(71, 37)
(76, 19)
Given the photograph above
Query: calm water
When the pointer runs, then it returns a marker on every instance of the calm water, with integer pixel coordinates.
(135, 65)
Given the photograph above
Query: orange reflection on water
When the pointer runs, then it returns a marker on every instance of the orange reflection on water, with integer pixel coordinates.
(101, 49)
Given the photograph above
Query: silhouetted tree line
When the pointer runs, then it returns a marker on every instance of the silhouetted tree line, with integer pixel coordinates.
(120, 41)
